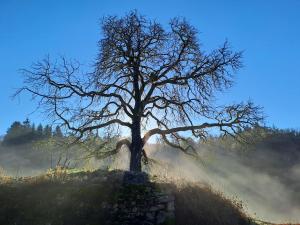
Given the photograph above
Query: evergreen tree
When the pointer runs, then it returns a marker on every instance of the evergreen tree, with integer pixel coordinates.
(48, 131)
(26, 123)
(58, 132)
(16, 134)
(39, 131)
(33, 128)
(28, 135)
(26, 132)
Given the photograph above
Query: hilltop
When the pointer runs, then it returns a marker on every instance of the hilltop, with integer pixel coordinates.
(80, 198)
(90, 197)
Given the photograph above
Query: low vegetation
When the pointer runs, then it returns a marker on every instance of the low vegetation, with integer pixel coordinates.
(80, 198)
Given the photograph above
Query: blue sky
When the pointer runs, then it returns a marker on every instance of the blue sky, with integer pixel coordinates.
(268, 31)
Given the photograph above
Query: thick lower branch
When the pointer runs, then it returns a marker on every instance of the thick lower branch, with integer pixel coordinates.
(184, 128)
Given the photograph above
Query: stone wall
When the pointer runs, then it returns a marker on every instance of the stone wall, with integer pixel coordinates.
(143, 204)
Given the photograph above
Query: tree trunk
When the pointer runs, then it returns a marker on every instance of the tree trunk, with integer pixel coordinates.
(136, 147)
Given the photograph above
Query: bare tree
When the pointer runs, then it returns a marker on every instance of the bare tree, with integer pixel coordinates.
(146, 79)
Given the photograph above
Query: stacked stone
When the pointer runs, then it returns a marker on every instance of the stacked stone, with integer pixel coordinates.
(143, 204)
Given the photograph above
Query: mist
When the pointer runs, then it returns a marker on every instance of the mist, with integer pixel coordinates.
(32, 160)
(264, 181)
(263, 196)
(15, 164)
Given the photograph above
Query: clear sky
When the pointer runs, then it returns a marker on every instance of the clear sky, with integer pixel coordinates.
(268, 31)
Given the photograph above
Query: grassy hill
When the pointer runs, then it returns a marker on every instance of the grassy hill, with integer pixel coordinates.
(87, 198)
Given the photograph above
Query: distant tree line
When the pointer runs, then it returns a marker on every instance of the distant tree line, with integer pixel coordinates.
(26, 132)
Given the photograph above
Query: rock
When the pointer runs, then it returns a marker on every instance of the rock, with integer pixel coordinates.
(161, 217)
(160, 206)
(153, 208)
(104, 205)
(171, 206)
(135, 178)
(170, 214)
(149, 216)
(165, 199)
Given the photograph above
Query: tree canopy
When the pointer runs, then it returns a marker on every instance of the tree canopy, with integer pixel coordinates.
(147, 78)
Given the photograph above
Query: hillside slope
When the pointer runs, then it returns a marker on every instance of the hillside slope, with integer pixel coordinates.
(84, 198)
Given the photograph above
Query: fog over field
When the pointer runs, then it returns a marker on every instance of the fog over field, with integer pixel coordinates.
(264, 193)
(264, 196)
(264, 176)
